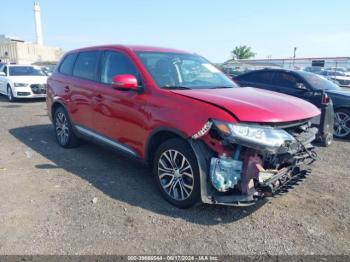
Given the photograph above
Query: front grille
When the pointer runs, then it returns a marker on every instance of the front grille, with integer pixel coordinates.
(23, 93)
(38, 89)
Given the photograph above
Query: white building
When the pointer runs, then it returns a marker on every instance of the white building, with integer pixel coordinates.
(15, 50)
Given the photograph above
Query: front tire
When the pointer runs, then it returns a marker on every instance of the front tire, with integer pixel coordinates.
(63, 129)
(10, 96)
(176, 173)
(342, 123)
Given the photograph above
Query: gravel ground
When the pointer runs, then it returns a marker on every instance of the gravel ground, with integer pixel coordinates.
(91, 200)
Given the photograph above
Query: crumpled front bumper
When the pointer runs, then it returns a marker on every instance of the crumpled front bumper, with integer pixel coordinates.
(280, 179)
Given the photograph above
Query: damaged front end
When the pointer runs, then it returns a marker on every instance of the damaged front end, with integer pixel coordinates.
(245, 162)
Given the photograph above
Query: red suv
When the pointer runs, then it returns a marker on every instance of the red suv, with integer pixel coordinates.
(206, 139)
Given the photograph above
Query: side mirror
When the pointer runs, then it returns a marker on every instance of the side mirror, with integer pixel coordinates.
(125, 82)
(2, 74)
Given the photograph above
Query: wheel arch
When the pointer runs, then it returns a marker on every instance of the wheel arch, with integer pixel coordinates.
(157, 137)
(54, 107)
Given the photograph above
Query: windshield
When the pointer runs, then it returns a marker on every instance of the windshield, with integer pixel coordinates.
(25, 71)
(319, 82)
(183, 71)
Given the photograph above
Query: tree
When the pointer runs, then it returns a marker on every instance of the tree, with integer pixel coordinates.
(242, 52)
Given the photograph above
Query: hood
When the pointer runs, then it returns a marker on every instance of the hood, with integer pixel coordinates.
(342, 92)
(255, 105)
(29, 79)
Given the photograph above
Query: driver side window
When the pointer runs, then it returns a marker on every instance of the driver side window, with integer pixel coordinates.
(289, 81)
(115, 63)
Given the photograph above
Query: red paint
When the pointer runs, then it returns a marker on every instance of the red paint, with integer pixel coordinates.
(256, 105)
(130, 117)
(127, 82)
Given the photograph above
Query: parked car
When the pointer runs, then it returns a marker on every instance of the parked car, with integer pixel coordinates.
(299, 84)
(22, 81)
(48, 69)
(205, 139)
(339, 69)
(314, 69)
(337, 77)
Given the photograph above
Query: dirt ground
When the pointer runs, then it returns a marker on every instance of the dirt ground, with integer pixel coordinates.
(90, 200)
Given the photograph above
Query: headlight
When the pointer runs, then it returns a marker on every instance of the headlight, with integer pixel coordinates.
(259, 137)
(20, 84)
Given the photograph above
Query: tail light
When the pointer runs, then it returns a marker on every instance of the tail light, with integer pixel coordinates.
(325, 99)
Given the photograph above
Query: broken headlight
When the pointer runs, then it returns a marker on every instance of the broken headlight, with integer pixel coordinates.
(254, 136)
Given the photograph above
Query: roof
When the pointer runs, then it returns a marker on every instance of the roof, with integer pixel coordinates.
(297, 58)
(155, 49)
(279, 70)
(137, 48)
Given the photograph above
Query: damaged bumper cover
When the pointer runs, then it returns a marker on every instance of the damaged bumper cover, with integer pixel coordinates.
(251, 161)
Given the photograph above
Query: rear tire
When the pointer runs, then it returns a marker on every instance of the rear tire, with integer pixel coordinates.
(63, 129)
(342, 123)
(10, 96)
(176, 173)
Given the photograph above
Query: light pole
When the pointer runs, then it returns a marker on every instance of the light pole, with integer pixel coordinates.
(294, 54)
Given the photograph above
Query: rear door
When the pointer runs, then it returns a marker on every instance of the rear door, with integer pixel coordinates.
(81, 88)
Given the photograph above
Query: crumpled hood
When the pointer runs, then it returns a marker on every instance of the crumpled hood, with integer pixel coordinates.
(255, 105)
(29, 79)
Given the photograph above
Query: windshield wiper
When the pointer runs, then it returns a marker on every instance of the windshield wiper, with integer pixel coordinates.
(176, 87)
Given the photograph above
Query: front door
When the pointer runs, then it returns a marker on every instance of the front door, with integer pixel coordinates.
(119, 115)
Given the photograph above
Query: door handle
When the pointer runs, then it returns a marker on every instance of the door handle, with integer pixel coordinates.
(66, 89)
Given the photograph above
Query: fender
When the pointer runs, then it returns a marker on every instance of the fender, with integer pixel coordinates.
(157, 131)
(56, 100)
(203, 155)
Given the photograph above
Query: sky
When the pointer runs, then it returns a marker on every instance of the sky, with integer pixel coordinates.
(212, 28)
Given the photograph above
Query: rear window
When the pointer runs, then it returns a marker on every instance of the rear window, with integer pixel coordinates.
(85, 66)
(67, 64)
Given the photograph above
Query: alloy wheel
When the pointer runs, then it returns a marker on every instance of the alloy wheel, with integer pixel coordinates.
(62, 129)
(341, 124)
(175, 175)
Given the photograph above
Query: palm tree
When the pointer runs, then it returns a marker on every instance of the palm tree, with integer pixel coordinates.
(242, 52)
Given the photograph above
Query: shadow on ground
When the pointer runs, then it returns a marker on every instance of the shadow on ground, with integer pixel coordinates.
(119, 177)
